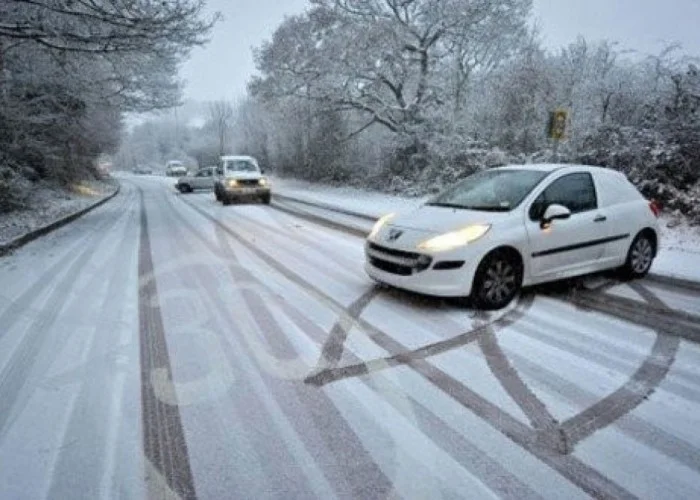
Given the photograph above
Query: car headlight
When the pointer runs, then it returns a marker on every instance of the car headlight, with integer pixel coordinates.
(232, 183)
(454, 239)
(379, 224)
(263, 182)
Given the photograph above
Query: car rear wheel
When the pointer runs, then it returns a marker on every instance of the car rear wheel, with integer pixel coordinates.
(497, 281)
(639, 257)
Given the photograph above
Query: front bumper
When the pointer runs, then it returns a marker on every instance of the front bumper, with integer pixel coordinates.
(454, 280)
(244, 191)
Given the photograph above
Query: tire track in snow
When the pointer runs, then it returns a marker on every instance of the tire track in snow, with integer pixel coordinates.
(90, 419)
(637, 389)
(19, 306)
(165, 447)
(17, 373)
(588, 479)
(371, 483)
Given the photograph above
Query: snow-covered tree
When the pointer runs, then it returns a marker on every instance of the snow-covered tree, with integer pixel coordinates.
(220, 116)
(381, 60)
(69, 69)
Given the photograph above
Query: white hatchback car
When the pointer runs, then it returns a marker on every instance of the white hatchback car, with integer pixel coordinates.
(514, 226)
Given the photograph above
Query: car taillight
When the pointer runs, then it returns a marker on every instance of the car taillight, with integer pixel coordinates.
(655, 207)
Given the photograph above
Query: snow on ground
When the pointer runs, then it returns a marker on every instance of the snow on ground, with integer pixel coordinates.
(679, 255)
(680, 251)
(358, 200)
(48, 204)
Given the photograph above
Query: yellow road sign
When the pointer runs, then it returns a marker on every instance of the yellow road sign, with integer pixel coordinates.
(558, 124)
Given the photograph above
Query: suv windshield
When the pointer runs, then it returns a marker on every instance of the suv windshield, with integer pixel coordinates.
(236, 166)
(490, 190)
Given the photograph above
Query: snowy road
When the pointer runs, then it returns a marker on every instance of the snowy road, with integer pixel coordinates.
(165, 346)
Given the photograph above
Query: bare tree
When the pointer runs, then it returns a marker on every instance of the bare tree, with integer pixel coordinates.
(220, 116)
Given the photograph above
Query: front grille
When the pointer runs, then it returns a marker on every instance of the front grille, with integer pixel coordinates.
(397, 261)
(396, 253)
(390, 267)
(248, 182)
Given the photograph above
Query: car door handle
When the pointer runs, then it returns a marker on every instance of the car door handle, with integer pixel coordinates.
(600, 218)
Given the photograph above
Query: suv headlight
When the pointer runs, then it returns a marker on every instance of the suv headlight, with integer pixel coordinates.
(454, 239)
(232, 183)
(263, 182)
(379, 224)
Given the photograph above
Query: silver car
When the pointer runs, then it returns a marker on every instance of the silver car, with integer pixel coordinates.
(203, 179)
(240, 177)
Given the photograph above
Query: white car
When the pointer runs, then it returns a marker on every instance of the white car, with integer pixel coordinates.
(175, 169)
(508, 227)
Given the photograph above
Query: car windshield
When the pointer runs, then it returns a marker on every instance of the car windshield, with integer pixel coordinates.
(237, 166)
(490, 190)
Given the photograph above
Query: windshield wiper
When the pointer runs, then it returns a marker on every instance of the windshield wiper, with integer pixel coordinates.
(446, 205)
(482, 208)
(488, 208)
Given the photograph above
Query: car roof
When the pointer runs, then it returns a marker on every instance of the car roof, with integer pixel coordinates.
(233, 157)
(552, 167)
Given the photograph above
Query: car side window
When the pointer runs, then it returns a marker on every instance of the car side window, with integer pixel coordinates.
(220, 170)
(574, 191)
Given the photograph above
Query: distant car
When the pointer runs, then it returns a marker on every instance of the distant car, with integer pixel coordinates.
(513, 226)
(141, 170)
(203, 179)
(240, 177)
(175, 169)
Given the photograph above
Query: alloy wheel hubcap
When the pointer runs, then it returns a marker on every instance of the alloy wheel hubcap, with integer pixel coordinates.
(641, 255)
(500, 281)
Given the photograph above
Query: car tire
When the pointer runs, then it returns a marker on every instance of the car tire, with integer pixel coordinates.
(225, 199)
(185, 188)
(640, 257)
(497, 280)
(266, 199)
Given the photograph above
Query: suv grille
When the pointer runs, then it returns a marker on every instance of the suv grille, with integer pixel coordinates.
(396, 261)
(248, 182)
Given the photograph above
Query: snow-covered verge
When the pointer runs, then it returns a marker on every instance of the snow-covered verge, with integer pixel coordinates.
(660, 168)
(372, 203)
(679, 255)
(44, 203)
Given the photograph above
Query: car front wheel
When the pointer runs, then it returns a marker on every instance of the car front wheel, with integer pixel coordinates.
(497, 280)
(639, 257)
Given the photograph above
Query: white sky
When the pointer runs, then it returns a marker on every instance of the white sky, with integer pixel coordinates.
(222, 68)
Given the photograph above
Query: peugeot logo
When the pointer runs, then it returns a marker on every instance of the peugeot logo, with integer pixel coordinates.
(394, 234)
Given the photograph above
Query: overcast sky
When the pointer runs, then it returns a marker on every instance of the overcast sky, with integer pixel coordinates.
(222, 68)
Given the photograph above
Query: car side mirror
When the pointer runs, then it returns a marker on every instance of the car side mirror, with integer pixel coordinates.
(554, 212)
(262, 170)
